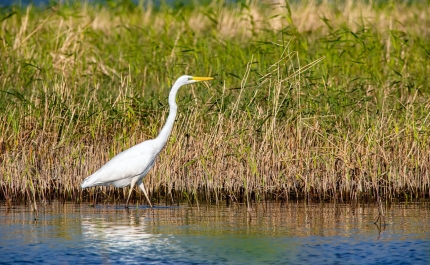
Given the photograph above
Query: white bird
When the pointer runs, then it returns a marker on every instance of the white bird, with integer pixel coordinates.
(131, 166)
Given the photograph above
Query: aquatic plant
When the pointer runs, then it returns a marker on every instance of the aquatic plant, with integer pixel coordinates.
(81, 82)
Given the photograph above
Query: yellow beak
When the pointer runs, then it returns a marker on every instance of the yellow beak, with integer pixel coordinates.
(196, 78)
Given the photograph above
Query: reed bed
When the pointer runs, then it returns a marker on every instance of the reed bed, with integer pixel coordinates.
(317, 100)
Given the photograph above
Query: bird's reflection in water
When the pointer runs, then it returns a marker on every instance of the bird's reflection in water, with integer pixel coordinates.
(125, 238)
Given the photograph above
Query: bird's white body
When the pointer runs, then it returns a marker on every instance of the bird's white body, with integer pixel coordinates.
(124, 167)
(131, 166)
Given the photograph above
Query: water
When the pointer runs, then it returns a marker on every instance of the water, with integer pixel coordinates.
(293, 233)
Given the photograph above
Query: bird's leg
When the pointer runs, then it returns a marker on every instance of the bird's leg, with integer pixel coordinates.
(129, 194)
(142, 187)
(133, 181)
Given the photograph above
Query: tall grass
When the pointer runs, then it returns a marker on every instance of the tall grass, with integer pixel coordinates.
(80, 83)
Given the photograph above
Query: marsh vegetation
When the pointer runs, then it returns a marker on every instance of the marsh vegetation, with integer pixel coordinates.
(317, 100)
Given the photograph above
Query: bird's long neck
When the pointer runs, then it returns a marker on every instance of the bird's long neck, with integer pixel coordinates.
(167, 128)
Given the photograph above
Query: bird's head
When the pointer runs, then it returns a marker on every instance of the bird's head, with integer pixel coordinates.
(187, 79)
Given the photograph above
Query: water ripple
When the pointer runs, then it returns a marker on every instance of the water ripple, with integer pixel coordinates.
(292, 234)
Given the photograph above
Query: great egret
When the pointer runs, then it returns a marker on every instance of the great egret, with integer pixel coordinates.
(131, 166)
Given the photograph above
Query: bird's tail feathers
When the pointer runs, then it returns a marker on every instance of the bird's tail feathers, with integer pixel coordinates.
(88, 182)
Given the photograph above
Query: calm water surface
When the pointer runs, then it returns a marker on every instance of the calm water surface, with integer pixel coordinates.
(292, 233)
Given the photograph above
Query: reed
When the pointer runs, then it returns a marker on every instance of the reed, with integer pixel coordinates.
(81, 82)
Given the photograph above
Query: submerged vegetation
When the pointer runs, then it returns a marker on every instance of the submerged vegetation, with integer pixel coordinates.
(81, 82)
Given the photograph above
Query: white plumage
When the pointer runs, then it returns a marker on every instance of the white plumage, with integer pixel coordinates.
(131, 166)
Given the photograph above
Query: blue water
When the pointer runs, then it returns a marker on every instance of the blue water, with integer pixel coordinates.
(270, 234)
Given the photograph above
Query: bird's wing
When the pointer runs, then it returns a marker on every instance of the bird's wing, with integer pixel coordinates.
(127, 164)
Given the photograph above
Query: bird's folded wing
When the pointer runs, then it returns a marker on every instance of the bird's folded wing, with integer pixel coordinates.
(128, 164)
